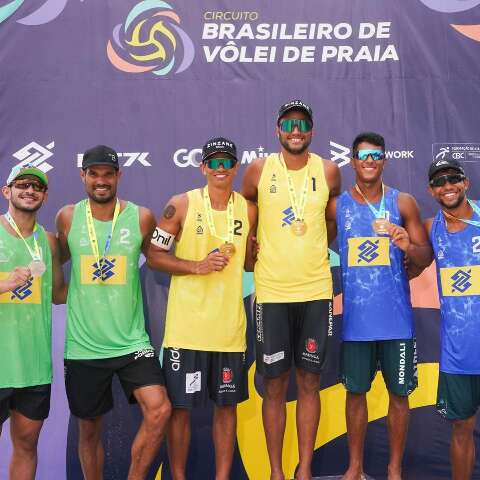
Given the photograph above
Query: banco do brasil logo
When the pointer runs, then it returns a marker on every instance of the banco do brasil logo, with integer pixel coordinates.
(151, 40)
(368, 251)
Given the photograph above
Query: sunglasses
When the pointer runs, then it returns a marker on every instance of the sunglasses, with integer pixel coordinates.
(226, 163)
(376, 155)
(451, 179)
(37, 187)
(303, 125)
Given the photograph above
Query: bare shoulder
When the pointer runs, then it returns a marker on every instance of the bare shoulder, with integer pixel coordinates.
(407, 204)
(53, 242)
(64, 217)
(332, 176)
(428, 224)
(251, 179)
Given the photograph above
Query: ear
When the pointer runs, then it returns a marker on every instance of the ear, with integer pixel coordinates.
(202, 169)
(82, 174)
(119, 174)
(6, 192)
(466, 183)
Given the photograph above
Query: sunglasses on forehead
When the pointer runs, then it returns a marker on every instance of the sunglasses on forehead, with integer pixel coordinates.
(376, 155)
(37, 187)
(452, 179)
(303, 125)
(214, 163)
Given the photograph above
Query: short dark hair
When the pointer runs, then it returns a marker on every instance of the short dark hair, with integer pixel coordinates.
(369, 137)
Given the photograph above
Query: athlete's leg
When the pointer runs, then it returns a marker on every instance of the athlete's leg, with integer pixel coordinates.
(356, 414)
(90, 448)
(274, 414)
(24, 433)
(156, 411)
(462, 448)
(178, 435)
(397, 424)
(308, 417)
(224, 434)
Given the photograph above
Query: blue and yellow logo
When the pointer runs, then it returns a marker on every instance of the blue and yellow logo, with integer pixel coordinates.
(460, 281)
(289, 216)
(368, 251)
(149, 41)
(112, 272)
(28, 293)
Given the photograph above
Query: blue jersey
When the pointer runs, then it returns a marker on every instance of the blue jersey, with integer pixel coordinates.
(457, 258)
(376, 293)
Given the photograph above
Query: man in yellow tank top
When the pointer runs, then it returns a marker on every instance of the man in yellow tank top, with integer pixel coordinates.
(293, 283)
(204, 344)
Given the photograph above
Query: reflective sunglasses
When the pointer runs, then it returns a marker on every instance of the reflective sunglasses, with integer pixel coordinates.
(226, 163)
(37, 187)
(452, 179)
(303, 125)
(376, 155)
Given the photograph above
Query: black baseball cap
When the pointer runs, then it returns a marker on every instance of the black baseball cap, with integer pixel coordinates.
(219, 145)
(295, 105)
(100, 155)
(445, 163)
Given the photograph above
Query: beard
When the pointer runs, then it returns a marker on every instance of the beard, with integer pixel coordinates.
(22, 208)
(459, 201)
(102, 199)
(296, 150)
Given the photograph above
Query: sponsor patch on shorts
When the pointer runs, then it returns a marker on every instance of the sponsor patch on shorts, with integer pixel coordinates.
(193, 382)
(274, 357)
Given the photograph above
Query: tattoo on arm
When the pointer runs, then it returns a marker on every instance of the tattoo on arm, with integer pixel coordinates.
(169, 211)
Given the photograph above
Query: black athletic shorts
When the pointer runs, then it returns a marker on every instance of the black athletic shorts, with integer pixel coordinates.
(286, 332)
(192, 376)
(89, 382)
(31, 402)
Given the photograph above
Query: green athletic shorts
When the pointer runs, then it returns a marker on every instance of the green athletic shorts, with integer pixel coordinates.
(397, 359)
(458, 395)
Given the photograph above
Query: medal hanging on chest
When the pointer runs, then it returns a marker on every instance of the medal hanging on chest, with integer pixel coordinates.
(380, 224)
(227, 247)
(92, 235)
(37, 265)
(298, 225)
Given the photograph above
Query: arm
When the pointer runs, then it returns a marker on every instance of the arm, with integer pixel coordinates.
(59, 287)
(171, 224)
(17, 277)
(333, 178)
(63, 221)
(331, 219)
(147, 227)
(251, 178)
(252, 246)
(413, 238)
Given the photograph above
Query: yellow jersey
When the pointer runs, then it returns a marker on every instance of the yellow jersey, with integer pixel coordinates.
(206, 312)
(292, 268)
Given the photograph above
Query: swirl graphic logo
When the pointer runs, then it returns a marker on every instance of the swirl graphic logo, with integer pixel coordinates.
(368, 251)
(453, 6)
(151, 40)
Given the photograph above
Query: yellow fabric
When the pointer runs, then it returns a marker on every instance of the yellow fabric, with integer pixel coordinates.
(460, 281)
(291, 268)
(368, 251)
(206, 312)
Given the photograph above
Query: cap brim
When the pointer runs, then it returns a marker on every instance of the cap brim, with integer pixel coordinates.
(34, 172)
(298, 109)
(101, 163)
(219, 151)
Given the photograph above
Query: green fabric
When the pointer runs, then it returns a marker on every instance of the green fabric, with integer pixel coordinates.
(25, 327)
(458, 396)
(105, 319)
(397, 359)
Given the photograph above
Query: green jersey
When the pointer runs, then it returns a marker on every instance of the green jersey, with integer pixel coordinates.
(25, 315)
(105, 305)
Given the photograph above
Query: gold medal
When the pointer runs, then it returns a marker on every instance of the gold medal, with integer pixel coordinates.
(299, 228)
(380, 226)
(227, 249)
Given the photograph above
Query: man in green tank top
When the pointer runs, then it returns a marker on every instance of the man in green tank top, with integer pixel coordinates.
(104, 237)
(29, 264)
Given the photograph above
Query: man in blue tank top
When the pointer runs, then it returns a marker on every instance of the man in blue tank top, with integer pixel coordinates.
(377, 227)
(455, 236)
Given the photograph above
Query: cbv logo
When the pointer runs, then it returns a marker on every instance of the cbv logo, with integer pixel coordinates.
(131, 158)
(36, 155)
(461, 281)
(368, 251)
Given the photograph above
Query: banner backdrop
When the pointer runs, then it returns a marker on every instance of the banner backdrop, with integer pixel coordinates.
(155, 80)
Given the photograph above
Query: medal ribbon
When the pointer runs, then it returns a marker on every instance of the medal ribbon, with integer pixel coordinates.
(475, 208)
(211, 224)
(380, 213)
(93, 236)
(298, 207)
(35, 254)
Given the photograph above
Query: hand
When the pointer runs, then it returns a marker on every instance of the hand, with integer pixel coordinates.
(213, 262)
(18, 276)
(399, 236)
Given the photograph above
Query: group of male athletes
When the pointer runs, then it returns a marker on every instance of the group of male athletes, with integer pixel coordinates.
(290, 209)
